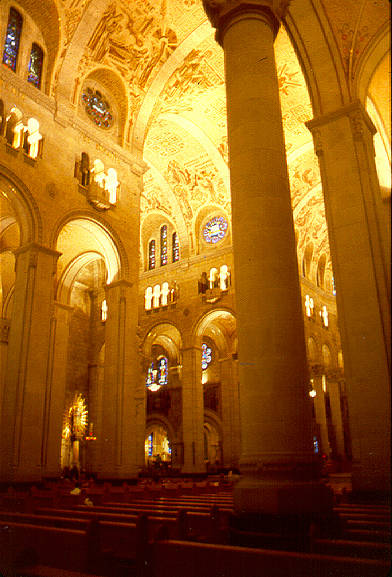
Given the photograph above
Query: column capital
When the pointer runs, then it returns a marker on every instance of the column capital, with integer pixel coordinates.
(122, 284)
(355, 112)
(34, 247)
(222, 13)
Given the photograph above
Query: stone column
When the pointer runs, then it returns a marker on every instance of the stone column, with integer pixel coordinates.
(192, 410)
(277, 461)
(344, 144)
(117, 437)
(27, 392)
(320, 413)
(230, 412)
(336, 415)
(57, 364)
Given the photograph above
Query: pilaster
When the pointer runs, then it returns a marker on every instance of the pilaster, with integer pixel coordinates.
(117, 437)
(192, 410)
(57, 371)
(230, 412)
(344, 144)
(27, 391)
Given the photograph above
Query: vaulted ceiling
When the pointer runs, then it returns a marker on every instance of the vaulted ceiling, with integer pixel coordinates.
(159, 67)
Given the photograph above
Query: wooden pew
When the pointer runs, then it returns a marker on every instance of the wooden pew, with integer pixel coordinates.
(197, 525)
(179, 558)
(24, 543)
(155, 522)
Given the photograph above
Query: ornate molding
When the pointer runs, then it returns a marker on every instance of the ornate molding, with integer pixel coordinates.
(222, 12)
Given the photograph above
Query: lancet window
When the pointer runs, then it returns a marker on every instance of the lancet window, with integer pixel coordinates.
(175, 247)
(35, 65)
(163, 245)
(151, 255)
(12, 39)
(160, 296)
(206, 356)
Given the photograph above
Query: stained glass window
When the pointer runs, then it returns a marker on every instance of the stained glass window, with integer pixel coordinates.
(175, 247)
(162, 371)
(163, 245)
(205, 356)
(151, 374)
(150, 444)
(151, 255)
(97, 108)
(35, 65)
(12, 38)
(157, 378)
(215, 229)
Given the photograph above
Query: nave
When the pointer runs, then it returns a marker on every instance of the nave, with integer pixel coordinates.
(175, 527)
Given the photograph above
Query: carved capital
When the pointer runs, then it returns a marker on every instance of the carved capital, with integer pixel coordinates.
(221, 13)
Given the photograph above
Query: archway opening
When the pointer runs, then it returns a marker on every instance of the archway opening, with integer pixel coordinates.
(157, 447)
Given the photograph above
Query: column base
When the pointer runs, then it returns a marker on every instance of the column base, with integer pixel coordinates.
(371, 483)
(282, 514)
(280, 497)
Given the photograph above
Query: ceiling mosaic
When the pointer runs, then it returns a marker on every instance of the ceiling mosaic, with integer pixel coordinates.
(173, 73)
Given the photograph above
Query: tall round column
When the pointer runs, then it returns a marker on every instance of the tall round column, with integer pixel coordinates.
(277, 462)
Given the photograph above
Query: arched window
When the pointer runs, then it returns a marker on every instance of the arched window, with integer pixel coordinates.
(12, 38)
(104, 311)
(321, 271)
(35, 65)
(151, 374)
(307, 260)
(15, 128)
(148, 298)
(206, 356)
(34, 138)
(163, 245)
(151, 255)
(156, 296)
(97, 108)
(111, 185)
(213, 280)
(162, 371)
(224, 277)
(2, 118)
(175, 248)
(85, 169)
(164, 294)
(326, 354)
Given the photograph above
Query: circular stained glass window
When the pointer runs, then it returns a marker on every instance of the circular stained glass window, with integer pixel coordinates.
(215, 229)
(97, 108)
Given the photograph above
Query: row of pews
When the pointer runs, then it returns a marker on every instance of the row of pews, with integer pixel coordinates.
(183, 533)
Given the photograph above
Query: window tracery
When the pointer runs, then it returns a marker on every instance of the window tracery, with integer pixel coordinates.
(215, 229)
